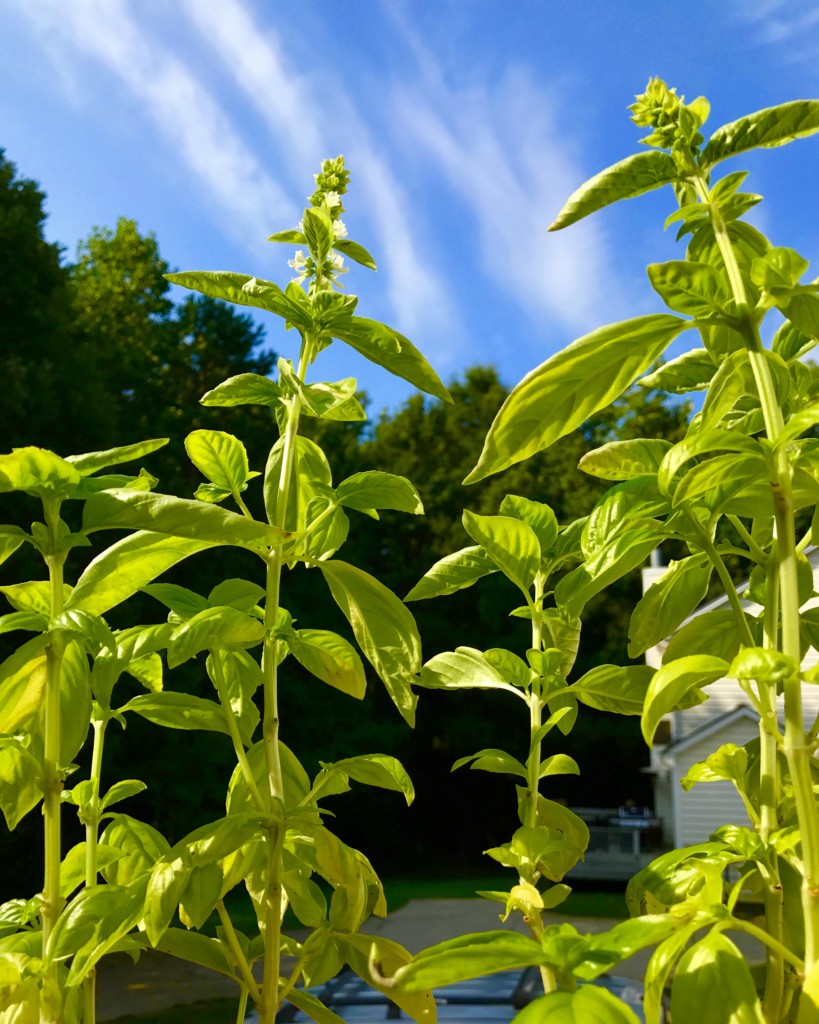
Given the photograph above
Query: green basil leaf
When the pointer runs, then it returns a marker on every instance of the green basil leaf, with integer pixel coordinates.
(352, 250)
(727, 764)
(567, 389)
(702, 443)
(39, 473)
(469, 956)
(453, 572)
(379, 770)
(330, 658)
(802, 310)
(196, 949)
(376, 490)
(141, 845)
(11, 537)
(318, 232)
(773, 126)
(244, 389)
(291, 236)
(20, 781)
(179, 711)
(620, 689)
(463, 669)
(689, 287)
(181, 601)
(384, 628)
(92, 462)
(178, 517)
(588, 1003)
(211, 628)
(245, 291)
(311, 478)
(220, 457)
(386, 347)
(714, 964)
(128, 566)
(92, 923)
(715, 633)
(536, 514)
(692, 371)
(625, 460)
(492, 760)
(630, 177)
(236, 593)
(614, 560)
(22, 685)
(673, 682)
(668, 602)
(510, 543)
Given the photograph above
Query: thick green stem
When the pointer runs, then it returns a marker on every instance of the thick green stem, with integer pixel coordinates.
(768, 822)
(270, 729)
(92, 824)
(52, 777)
(797, 750)
(535, 703)
(52, 781)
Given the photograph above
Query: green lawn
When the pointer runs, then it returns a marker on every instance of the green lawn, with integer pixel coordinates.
(400, 891)
(579, 903)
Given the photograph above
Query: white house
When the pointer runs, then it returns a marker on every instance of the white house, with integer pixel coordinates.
(690, 736)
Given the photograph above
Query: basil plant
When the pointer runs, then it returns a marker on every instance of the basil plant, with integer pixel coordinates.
(126, 887)
(736, 497)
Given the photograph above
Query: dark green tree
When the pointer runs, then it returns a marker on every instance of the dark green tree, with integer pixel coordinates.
(38, 362)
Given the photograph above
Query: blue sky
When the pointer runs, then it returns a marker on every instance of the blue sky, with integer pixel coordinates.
(465, 123)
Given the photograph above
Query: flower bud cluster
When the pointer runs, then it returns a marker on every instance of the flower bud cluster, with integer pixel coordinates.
(675, 124)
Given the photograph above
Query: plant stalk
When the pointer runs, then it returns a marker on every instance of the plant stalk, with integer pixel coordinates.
(53, 783)
(797, 750)
(92, 824)
(535, 703)
(273, 895)
(768, 789)
(52, 777)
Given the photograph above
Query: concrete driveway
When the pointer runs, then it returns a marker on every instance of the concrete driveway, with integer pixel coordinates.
(159, 982)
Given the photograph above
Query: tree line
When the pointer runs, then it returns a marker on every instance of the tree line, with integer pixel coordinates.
(94, 353)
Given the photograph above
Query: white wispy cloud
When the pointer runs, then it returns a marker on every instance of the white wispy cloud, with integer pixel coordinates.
(499, 149)
(302, 116)
(177, 101)
(792, 26)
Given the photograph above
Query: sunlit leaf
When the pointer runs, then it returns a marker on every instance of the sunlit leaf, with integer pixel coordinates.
(330, 658)
(128, 566)
(220, 457)
(672, 683)
(39, 473)
(620, 689)
(386, 347)
(630, 177)
(453, 572)
(177, 517)
(244, 290)
(510, 543)
(773, 126)
(568, 388)
(384, 628)
(668, 602)
(94, 461)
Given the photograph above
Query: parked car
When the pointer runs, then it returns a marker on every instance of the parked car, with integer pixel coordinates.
(494, 999)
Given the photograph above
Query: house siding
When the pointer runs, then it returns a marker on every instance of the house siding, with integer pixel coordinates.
(708, 805)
